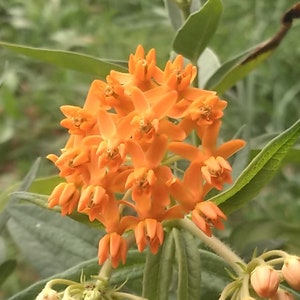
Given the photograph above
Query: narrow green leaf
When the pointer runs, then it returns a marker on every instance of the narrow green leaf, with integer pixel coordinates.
(52, 243)
(237, 68)
(174, 13)
(193, 37)
(259, 172)
(6, 268)
(207, 64)
(70, 60)
(158, 271)
(30, 176)
(189, 265)
(131, 273)
(45, 185)
(233, 71)
(23, 186)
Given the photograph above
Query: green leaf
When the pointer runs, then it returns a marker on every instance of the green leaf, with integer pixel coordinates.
(207, 64)
(6, 268)
(131, 273)
(214, 276)
(51, 243)
(158, 271)
(45, 185)
(234, 70)
(174, 13)
(70, 60)
(193, 37)
(259, 172)
(25, 184)
(189, 265)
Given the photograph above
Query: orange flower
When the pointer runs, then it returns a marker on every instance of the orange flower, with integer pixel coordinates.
(216, 171)
(65, 195)
(148, 180)
(112, 246)
(149, 231)
(178, 77)
(79, 121)
(149, 117)
(142, 70)
(207, 214)
(119, 154)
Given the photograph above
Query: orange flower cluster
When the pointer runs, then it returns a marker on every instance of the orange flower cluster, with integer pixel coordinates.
(119, 162)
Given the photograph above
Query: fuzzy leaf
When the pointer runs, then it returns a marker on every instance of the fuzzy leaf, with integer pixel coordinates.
(52, 243)
(193, 37)
(214, 276)
(189, 265)
(158, 271)
(70, 60)
(259, 172)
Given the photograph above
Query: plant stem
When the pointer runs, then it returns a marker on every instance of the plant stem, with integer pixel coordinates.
(105, 270)
(233, 260)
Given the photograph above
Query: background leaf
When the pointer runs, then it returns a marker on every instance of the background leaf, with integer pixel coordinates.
(214, 276)
(52, 243)
(265, 235)
(259, 172)
(45, 185)
(193, 37)
(189, 265)
(158, 271)
(6, 268)
(70, 60)
(233, 71)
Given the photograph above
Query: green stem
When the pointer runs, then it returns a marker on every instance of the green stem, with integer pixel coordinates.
(105, 270)
(171, 159)
(272, 253)
(233, 260)
(53, 282)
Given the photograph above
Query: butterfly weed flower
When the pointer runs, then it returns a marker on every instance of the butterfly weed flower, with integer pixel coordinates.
(124, 143)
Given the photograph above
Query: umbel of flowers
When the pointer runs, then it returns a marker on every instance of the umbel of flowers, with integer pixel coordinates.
(120, 162)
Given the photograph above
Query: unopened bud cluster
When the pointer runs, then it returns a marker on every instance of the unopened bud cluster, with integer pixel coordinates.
(94, 290)
(262, 276)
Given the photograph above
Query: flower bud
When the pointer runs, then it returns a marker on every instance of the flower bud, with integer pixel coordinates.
(291, 272)
(265, 281)
(47, 294)
(282, 295)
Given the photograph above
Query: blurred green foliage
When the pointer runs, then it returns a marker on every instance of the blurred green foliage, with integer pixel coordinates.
(31, 92)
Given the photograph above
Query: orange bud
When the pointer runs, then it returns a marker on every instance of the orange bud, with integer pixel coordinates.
(265, 281)
(291, 271)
